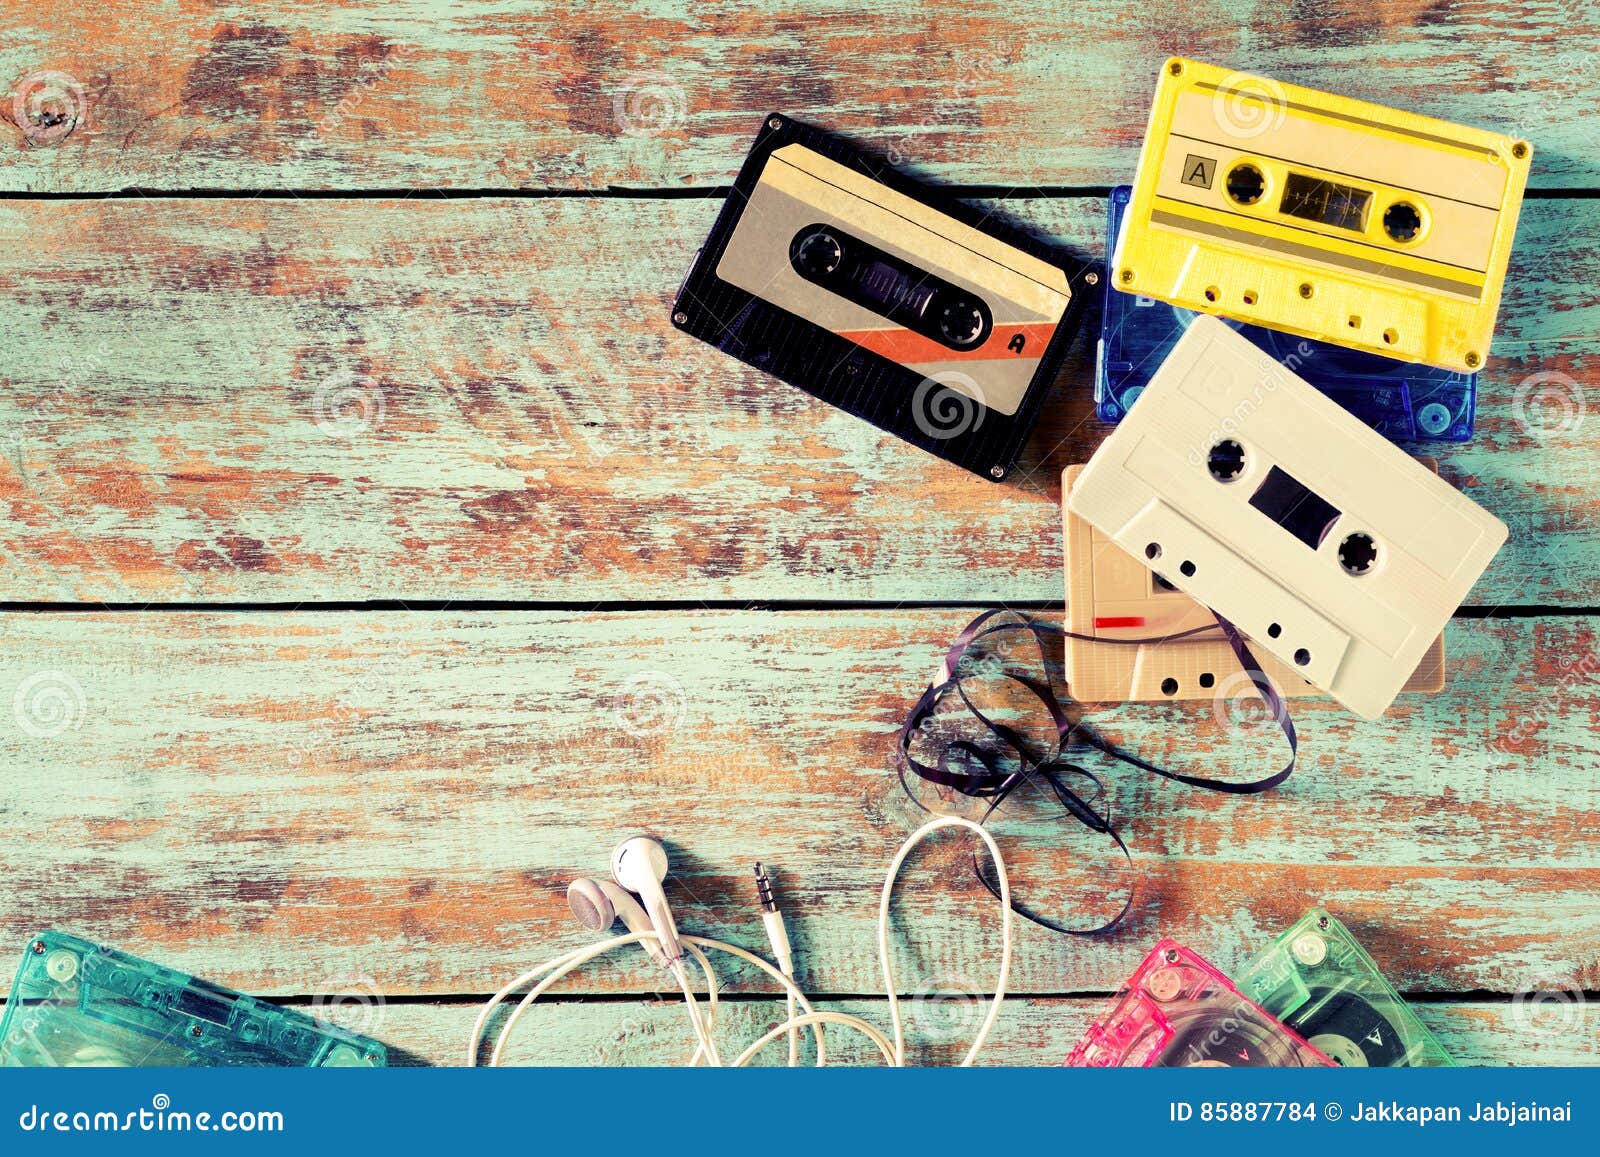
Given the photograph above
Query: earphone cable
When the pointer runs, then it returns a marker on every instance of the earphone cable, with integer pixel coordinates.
(542, 977)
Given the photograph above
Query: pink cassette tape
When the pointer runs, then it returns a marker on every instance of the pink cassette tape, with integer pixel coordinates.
(1177, 1011)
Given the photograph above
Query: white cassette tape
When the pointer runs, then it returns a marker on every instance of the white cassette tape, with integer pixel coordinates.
(1328, 546)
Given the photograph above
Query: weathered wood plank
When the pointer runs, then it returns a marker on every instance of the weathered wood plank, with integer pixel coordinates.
(426, 94)
(1030, 1031)
(1038, 1031)
(277, 800)
(280, 401)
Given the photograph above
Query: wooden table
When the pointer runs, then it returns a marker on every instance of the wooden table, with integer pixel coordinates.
(376, 555)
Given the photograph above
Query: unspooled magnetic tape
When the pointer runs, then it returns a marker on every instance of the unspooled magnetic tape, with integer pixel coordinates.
(926, 317)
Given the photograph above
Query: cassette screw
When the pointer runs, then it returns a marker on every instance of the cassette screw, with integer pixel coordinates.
(1322, 921)
(1126, 277)
(997, 472)
(38, 947)
(195, 1030)
(1473, 359)
(1172, 956)
(680, 318)
(775, 122)
(1092, 279)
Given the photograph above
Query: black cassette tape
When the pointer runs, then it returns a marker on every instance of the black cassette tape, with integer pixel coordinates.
(924, 316)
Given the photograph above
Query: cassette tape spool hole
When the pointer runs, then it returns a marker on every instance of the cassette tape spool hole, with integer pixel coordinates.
(1358, 553)
(1402, 221)
(1245, 184)
(1226, 460)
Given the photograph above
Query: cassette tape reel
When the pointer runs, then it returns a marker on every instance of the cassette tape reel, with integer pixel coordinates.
(1323, 216)
(80, 1005)
(868, 290)
(1318, 980)
(1113, 595)
(1177, 1011)
(1403, 401)
(1329, 547)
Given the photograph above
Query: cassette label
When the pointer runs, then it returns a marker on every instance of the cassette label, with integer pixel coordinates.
(1403, 401)
(874, 294)
(1248, 490)
(1178, 1011)
(1113, 596)
(1327, 217)
(78, 1004)
(1319, 981)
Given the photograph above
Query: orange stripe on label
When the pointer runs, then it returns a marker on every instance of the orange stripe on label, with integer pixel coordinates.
(909, 348)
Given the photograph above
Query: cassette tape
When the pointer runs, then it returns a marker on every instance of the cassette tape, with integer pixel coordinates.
(1403, 401)
(77, 1004)
(1318, 981)
(1177, 1011)
(1324, 543)
(1323, 216)
(868, 290)
(1111, 595)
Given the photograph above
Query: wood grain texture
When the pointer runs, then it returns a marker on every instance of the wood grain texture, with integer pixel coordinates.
(353, 400)
(279, 800)
(939, 1028)
(425, 94)
(1035, 1031)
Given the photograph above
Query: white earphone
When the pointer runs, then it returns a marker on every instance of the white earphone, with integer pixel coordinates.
(640, 867)
(598, 904)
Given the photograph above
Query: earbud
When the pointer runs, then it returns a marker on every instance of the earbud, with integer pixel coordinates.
(598, 904)
(640, 866)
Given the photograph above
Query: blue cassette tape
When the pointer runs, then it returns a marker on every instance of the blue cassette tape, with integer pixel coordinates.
(77, 1004)
(1404, 401)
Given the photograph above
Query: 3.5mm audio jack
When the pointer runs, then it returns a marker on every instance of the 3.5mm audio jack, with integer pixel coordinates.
(782, 954)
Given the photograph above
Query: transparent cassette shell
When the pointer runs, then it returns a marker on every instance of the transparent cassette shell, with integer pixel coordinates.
(1403, 401)
(1178, 1011)
(75, 1004)
(1318, 979)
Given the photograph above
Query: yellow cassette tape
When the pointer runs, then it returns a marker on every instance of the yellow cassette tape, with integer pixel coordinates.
(1113, 597)
(1323, 216)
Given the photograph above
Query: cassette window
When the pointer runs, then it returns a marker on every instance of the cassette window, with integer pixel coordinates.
(1292, 505)
(1326, 202)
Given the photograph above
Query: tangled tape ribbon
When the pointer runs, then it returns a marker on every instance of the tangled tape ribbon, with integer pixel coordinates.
(973, 767)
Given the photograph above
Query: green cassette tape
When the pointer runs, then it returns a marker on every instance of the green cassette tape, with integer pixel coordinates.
(1317, 980)
(77, 1004)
